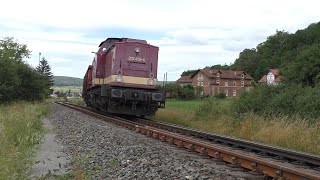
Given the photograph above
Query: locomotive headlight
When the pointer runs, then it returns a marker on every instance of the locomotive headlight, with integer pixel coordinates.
(119, 78)
(151, 81)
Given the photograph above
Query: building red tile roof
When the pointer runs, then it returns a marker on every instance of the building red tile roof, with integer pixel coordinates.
(184, 79)
(263, 79)
(278, 79)
(275, 71)
(224, 74)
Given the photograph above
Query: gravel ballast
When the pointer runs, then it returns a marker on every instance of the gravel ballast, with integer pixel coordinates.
(101, 150)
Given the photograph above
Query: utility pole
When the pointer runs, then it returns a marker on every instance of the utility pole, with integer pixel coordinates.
(166, 77)
(164, 80)
(39, 57)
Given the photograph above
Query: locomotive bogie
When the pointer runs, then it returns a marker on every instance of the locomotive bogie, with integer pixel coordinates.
(131, 101)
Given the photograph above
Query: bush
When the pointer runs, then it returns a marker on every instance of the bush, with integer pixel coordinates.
(220, 96)
(280, 100)
(186, 92)
(214, 107)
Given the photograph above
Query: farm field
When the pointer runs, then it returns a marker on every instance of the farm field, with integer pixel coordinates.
(215, 116)
(76, 89)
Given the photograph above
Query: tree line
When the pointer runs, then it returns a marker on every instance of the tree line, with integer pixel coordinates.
(19, 80)
(296, 55)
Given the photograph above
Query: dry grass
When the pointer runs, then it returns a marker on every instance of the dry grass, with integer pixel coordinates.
(20, 130)
(294, 133)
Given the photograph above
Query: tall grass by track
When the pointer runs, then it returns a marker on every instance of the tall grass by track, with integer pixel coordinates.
(20, 131)
(216, 116)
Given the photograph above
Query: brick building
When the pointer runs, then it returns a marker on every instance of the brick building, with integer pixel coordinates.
(184, 80)
(228, 82)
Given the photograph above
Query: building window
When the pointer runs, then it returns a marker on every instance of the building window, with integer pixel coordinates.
(234, 83)
(242, 83)
(242, 75)
(226, 83)
(218, 81)
(234, 93)
(218, 74)
(226, 92)
(200, 82)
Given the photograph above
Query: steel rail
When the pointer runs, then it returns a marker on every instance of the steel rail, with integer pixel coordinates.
(236, 158)
(276, 152)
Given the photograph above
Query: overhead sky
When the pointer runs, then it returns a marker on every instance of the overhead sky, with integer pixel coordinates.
(190, 34)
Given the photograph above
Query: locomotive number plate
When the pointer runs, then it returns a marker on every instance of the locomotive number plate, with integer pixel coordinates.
(136, 59)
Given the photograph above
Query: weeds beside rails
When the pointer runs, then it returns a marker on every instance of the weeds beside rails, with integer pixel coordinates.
(216, 116)
(20, 131)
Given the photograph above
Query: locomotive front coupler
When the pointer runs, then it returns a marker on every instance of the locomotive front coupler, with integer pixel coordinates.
(134, 105)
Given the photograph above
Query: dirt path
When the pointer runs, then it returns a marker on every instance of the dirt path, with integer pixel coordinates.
(50, 159)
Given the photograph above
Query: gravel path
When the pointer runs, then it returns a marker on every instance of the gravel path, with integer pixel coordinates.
(50, 158)
(104, 151)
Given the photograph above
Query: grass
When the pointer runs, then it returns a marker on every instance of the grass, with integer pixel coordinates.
(20, 131)
(183, 105)
(78, 101)
(215, 116)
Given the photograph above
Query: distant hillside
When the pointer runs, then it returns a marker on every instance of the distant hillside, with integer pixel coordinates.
(67, 81)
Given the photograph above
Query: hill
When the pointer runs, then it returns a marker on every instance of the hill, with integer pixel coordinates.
(67, 81)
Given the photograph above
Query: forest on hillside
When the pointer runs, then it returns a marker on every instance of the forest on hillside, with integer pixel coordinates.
(296, 55)
(67, 81)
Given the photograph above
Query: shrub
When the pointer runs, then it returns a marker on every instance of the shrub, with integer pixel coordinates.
(213, 107)
(280, 100)
(186, 92)
(220, 96)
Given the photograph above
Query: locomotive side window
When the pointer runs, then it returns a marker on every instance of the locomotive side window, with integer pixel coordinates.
(94, 68)
(113, 57)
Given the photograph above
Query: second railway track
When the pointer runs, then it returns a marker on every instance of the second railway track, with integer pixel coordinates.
(275, 162)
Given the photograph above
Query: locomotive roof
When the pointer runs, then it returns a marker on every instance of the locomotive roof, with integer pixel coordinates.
(123, 40)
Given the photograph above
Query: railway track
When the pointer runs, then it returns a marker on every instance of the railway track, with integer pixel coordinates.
(275, 162)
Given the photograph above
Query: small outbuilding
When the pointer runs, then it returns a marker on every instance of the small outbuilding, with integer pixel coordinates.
(272, 78)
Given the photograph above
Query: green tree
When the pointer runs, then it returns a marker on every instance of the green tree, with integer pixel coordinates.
(188, 72)
(10, 49)
(305, 69)
(248, 61)
(220, 67)
(18, 80)
(11, 55)
(45, 70)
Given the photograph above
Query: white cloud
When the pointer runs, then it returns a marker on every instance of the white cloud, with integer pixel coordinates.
(191, 34)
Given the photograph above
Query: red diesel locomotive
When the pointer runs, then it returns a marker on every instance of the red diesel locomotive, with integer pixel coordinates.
(122, 78)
